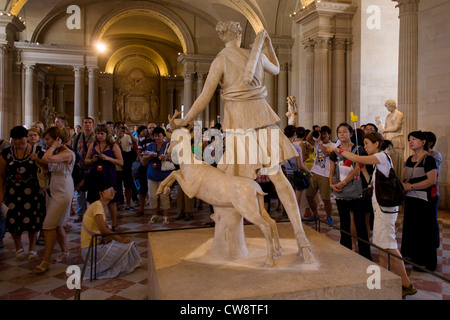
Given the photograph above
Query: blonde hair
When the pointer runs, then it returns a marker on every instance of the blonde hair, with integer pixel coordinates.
(68, 133)
(36, 130)
(228, 30)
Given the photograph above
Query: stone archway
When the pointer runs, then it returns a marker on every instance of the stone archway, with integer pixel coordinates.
(152, 10)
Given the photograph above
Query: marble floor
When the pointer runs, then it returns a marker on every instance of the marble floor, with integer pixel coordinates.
(18, 282)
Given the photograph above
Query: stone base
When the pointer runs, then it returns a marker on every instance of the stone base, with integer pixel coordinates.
(186, 271)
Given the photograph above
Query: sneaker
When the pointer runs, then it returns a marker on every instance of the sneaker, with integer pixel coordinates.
(330, 221)
(408, 291)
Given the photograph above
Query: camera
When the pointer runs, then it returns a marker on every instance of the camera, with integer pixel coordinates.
(316, 134)
(123, 129)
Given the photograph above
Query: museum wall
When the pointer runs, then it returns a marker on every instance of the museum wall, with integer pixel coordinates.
(374, 58)
(434, 83)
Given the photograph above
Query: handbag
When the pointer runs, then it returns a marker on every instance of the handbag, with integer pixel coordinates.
(353, 189)
(167, 165)
(389, 191)
(301, 180)
(43, 177)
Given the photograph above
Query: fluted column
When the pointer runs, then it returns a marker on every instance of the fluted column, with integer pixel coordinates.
(3, 104)
(408, 64)
(29, 94)
(348, 79)
(338, 84)
(188, 91)
(321, 82)
(283, 94)
(60, 98)
(50, 97)
(307, 119)
(201, 77)
(93, 94)
(102, 102)
(78, 108)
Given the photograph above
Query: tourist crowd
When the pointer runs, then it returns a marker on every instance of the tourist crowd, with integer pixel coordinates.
(105, 165)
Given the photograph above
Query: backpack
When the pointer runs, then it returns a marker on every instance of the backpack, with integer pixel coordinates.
(389, 191)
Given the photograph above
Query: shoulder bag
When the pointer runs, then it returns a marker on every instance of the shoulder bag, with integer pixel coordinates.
(389, 191)
(167, 165)
(353, 189)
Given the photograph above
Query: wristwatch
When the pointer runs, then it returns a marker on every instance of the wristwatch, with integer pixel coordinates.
(412, 187)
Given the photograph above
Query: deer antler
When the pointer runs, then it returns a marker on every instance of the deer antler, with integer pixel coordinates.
(173, 126)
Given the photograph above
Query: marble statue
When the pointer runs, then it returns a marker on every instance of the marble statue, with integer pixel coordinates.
(292, 113)
(240, 72)
(392, 131)
(154, 105)
(215, 187)
(48, 114)
(119, 106)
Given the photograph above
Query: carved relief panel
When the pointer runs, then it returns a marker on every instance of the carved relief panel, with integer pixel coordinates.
(136, 90)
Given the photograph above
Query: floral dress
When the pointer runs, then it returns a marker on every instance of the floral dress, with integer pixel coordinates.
(26, 204)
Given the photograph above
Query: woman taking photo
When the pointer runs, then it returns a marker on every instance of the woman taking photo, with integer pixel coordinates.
(60, 161)
(116, 255)
(346, 185)
(384, 224)
(419, 222)
(295, 164)
(19, 189)
(103, 156)
(156, 154)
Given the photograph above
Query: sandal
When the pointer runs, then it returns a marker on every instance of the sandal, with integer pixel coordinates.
(43, 267)
(114, 228)
(62, 257)
(166, 220)
(20, 255)
(32, 255)
(153, 218)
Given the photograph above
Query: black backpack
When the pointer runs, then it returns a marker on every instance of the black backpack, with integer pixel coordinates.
(389, 190)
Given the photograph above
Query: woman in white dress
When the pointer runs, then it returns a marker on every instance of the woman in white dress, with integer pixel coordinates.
(60, 160)
(384, 223)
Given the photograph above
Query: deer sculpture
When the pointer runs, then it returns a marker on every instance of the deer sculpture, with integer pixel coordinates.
(213, 186)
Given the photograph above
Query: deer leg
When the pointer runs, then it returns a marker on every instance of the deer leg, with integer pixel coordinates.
(273, 225)
(250, 212)
(164, 186)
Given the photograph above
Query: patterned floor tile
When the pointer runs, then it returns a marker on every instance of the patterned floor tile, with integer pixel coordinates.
(20, 283)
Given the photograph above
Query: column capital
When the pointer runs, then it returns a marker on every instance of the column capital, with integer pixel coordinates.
(339, 44)
(407, 6)
(189, 75)
(78, 69)
(321, 43)
(309, 46)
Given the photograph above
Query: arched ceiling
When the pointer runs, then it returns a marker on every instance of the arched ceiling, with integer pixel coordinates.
(249, 8)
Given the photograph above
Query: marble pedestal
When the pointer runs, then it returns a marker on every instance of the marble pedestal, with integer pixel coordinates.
(185, 271)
